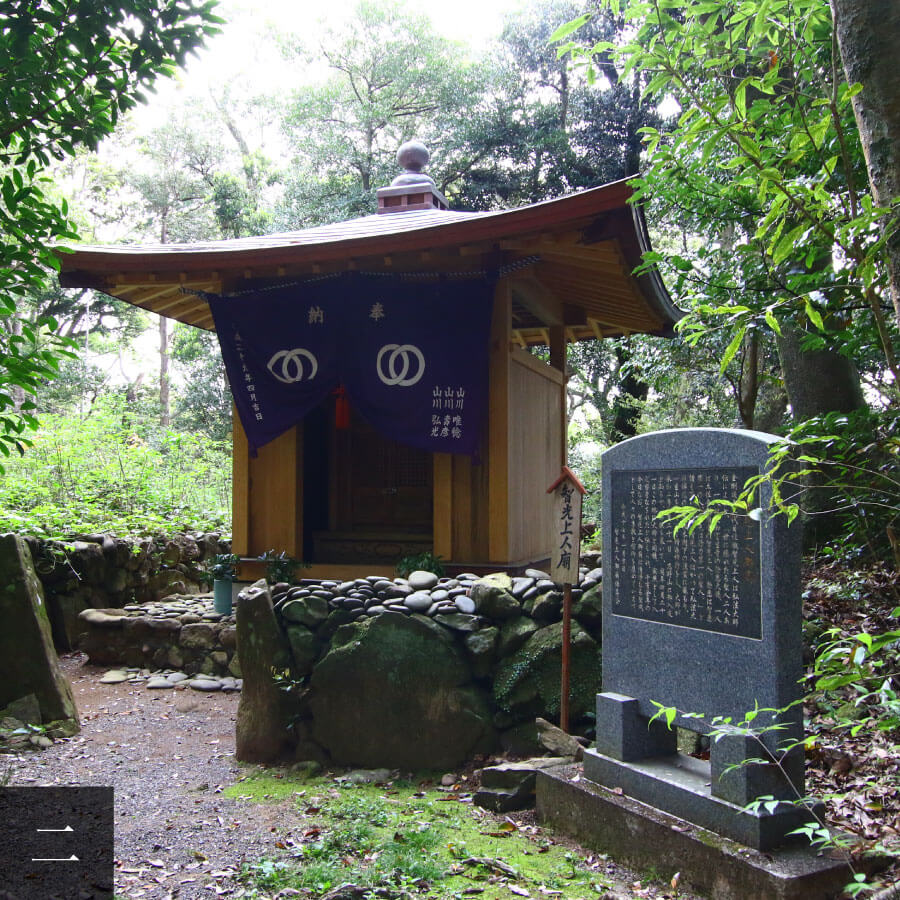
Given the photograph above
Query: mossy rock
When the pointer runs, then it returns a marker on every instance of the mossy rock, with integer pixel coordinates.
(514, 633)
(492, 598)
(28, 660)
(304, 648)
(481, 650)
(527, 684)
(587, 610)
(397, 692)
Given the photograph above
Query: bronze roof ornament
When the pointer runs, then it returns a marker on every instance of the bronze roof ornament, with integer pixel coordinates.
(414, 189)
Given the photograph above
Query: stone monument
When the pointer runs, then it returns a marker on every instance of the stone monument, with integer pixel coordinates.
(706, 622)
(33, 687)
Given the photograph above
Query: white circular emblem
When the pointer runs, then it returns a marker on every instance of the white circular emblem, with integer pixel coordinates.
(291, 365)
(403, 352)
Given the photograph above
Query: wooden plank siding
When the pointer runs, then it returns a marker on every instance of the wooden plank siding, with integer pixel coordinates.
(536, 442)
(444, 545)
(275, 492)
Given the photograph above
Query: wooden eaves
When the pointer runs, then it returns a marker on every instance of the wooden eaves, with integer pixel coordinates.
(578, 254)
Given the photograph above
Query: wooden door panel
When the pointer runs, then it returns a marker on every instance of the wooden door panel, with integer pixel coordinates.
(390, 485)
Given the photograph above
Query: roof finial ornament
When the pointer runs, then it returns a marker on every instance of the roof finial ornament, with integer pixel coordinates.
(413, 190)
(413, 156)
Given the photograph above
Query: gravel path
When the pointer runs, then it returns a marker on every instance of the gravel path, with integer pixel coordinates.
(168, 755)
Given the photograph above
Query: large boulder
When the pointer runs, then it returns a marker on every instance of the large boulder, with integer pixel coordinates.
(396, 691)
(28, 660)
(527, 684)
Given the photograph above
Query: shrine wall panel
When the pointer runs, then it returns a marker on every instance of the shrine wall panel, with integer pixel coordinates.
(535, 453)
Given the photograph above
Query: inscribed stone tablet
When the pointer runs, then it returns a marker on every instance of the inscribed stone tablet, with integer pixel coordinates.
(706, 580)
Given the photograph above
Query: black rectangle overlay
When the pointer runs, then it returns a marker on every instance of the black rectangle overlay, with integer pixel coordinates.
(56, 843)
(709, 581)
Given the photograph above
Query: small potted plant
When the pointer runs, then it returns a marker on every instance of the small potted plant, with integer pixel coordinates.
(221, 569)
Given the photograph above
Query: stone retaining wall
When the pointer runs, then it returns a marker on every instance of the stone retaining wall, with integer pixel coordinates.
(101, 572)
(426, 672)
(182, 632)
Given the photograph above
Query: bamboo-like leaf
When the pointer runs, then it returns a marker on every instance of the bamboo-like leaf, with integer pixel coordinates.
(732, 349)
(568, 28)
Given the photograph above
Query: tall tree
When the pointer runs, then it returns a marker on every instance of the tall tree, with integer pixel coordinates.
(548, 130)
(868, 33)
(766, 149)
(390, 77)
(174, 190)
(69, 69)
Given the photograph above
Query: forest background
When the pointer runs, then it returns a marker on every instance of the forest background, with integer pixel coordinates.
(738, 115)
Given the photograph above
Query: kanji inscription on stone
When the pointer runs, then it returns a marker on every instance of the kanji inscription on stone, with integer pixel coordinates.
(704, 580)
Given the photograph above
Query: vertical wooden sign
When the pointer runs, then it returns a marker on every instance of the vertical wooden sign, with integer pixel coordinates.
(567, 491)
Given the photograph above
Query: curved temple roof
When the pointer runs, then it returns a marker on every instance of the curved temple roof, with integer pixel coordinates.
(577, 255)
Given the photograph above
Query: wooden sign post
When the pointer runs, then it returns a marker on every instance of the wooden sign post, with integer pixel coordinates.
(567, 491)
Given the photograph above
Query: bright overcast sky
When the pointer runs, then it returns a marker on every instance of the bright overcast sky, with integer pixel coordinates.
(240, 49)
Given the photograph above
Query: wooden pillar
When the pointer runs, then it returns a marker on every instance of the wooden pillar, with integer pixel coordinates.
(240, 488)
(498, 425)
(443, 505)
(267, 494)
(558, 361)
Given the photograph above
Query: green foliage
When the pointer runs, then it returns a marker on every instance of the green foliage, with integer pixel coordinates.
(425, 562)
(390, 76)
(114, 471)
(766, 159)
(203, 401)
(221, 566)
(279, 566)
(543, 129)
(856, 678)
(69, 70)
(765, 166)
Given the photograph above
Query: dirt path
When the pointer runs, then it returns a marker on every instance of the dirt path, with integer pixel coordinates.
(167, 754)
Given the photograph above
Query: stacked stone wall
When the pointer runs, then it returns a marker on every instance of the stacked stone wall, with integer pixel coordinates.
(426, 672)
(103, 572)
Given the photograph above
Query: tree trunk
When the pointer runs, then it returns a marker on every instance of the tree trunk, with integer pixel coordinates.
(748, 383)
(817, 382)
(868, 34)
(164, 412)
(17, 391)
(627, 404)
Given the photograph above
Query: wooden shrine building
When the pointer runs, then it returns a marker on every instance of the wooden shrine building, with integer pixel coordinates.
(351, 501)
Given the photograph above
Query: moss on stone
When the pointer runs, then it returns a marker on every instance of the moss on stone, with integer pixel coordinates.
(528, 682)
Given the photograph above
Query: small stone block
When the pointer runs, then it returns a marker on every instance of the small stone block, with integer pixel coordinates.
(623, 733)
(735, 779)
(500, 801)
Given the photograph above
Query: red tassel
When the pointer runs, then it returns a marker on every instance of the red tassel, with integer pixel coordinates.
(341, 409)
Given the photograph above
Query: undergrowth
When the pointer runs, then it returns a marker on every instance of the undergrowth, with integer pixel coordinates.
(115, 471)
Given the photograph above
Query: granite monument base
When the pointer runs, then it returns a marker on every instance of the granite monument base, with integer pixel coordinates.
(646, 838)
(681, 785)
(639, 755)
